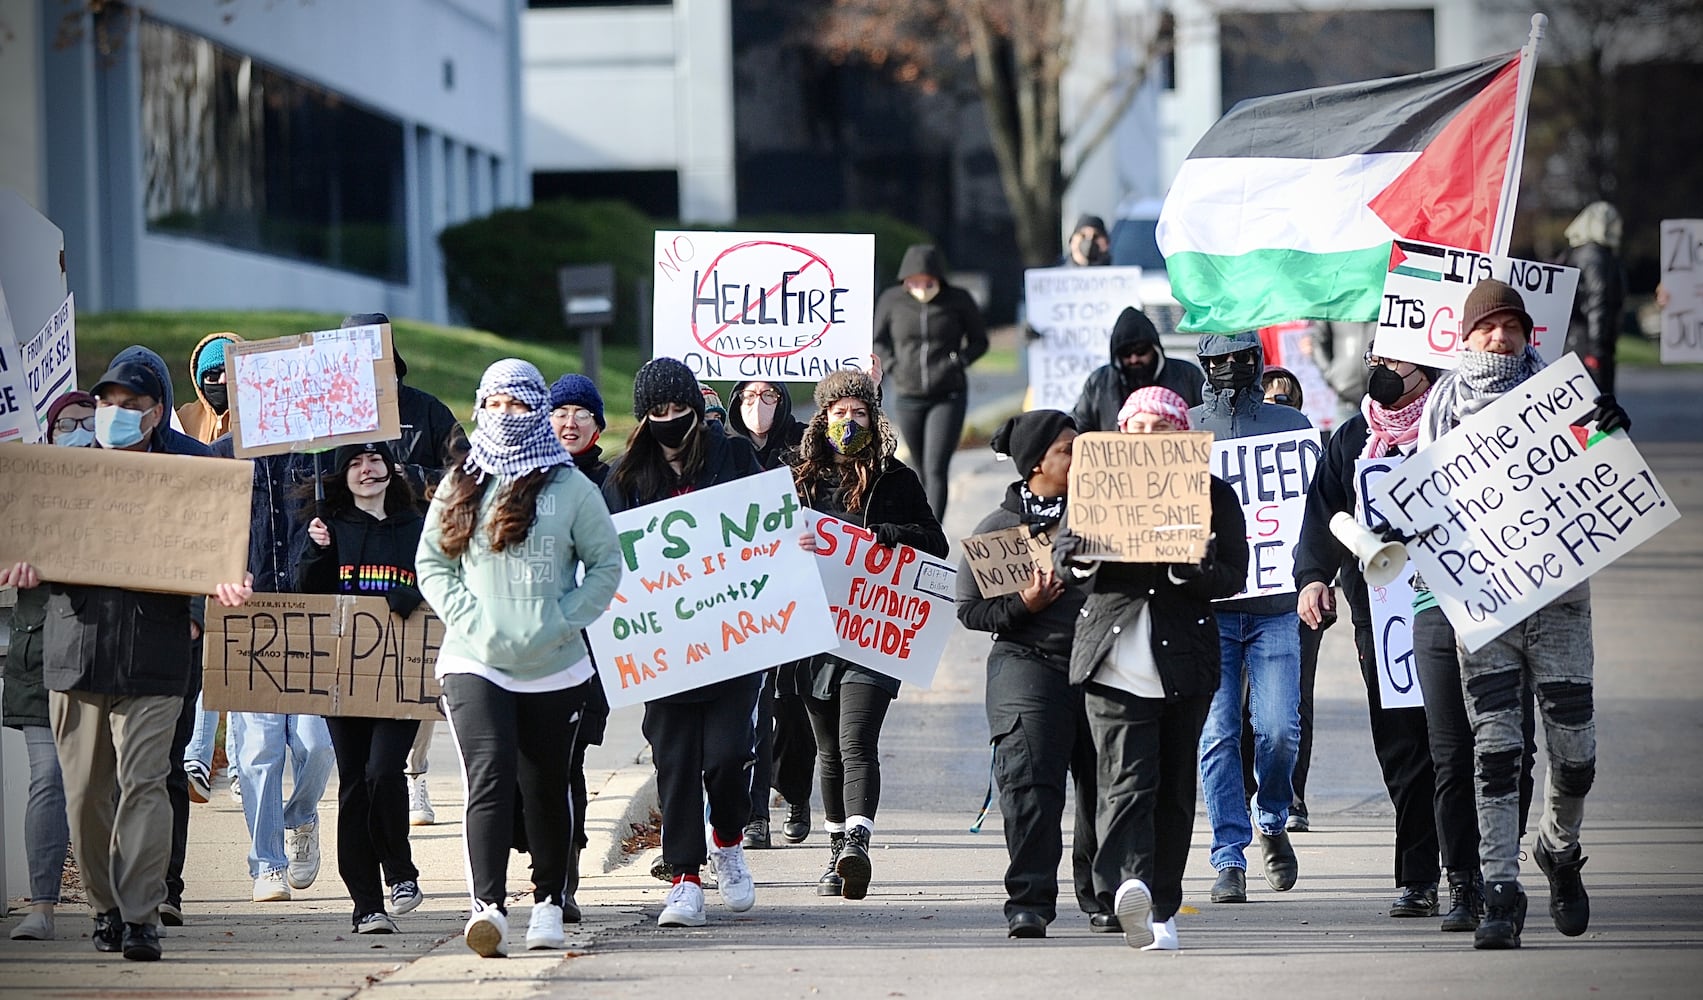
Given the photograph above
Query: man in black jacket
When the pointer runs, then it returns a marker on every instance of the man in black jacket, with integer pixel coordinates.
(1138, 360)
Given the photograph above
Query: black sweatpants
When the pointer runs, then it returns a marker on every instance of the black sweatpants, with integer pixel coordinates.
(1402, 744)
(177, 783)
(848, 748)
(1039, 728)
(932, 429)
(1149, 758)
(372, 806)
(786, 748)
(508, 740)
(703, 748)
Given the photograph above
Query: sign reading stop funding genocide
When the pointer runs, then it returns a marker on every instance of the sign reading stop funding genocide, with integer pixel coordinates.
(782, 307)
(1073, 309)
(1682, 279)
(1392, 604)
(1142, 498)
(1271, 474)
(893, 608)
(1520, 506)
(715, 586)
(1426, 289)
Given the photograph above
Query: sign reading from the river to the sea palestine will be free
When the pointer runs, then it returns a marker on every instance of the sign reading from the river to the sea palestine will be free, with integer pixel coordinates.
(782, 307)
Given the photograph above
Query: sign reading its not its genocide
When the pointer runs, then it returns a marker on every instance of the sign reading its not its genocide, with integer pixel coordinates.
(1142, 498)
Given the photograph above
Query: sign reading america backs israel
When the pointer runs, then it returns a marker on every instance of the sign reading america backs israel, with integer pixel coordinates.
(1516, 506)
(1427, 286)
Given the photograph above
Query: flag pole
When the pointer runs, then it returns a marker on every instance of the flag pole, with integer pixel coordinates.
(1503, 232)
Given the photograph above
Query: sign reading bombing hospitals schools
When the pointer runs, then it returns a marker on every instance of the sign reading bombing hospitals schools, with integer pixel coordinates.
(783, 307)
(321, 654)
(714, 586)
(123, 519)
(893, 608)
(1142, 498)
(1521, 506)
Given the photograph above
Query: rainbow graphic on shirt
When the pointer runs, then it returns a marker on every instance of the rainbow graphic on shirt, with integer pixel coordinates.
(372, 578)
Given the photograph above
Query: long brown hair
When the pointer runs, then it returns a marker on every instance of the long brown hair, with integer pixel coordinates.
(512, 518)
(644, 474)
(819, 465)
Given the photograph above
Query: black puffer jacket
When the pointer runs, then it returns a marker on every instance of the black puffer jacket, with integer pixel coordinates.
(1185, 633)
(784, 434)
(1049, 630)
(368, 557)
(924, 347)
(23, 700)
(432, 441)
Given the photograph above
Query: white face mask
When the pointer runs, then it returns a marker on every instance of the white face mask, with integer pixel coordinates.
(759, 416)
(116, 427)
(924, 294)
(82, 437)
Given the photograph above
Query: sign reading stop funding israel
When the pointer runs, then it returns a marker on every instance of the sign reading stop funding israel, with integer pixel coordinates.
(1517, 505)
(1392, 604)
(1425, 292)
(1073, 309)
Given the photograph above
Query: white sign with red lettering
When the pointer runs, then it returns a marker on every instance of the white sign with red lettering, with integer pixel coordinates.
(1425, 292)
(1271, 474)
(893, 608)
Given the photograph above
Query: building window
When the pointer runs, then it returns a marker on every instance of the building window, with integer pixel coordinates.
(238, 153)
(656, 193)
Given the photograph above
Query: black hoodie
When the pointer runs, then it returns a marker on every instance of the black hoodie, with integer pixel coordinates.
(1107, 386)
(367, 557)
(784, 434)
(924, 347)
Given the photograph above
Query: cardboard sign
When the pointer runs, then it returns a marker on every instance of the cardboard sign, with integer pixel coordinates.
(1271, 474)
(50, 360)
(171, 523)
(1520, 505)
(312, 391)
(18, 420)
(1392, 605)
(715, 587)
(321, 654)
(1073, 309)
(1426, 289)
(1682, 280)
(893, 608)
(1004, 561)
(783, 307)
(1143, 498)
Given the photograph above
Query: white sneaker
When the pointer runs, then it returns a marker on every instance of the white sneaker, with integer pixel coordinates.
(270, 887)
(1134, 906)
(37, 926)
(420, 803)
(486, 930)
(684, 906)
(200, 782)
(733, 877)
(544, 930)
(1164, 937)
(236, 788)
(375, 923)
(301, 845)
(404, 896)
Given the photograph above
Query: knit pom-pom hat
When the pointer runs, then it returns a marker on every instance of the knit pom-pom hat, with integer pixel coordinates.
(666, 380)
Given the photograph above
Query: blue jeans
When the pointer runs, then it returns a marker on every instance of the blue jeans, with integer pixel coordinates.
(1267, 650)
(201, 740)
(46, 829)
(262, 739)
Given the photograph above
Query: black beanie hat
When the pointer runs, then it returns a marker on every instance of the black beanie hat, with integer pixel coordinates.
(346, 454)
(666, 380)
(1027, 436)
(1086, 221)
(1492, 296)
(1132, 329)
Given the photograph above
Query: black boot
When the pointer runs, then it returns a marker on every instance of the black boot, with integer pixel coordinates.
(1569, 907)
(830, 884)
(854, 865)
(797, 825)
(1466, 901)
(1504, 917)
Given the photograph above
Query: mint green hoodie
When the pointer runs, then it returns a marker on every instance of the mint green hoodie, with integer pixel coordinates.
(520, 611)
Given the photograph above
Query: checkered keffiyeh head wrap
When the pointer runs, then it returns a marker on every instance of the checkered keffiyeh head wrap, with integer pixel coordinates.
(513, 444)
(1157, 400)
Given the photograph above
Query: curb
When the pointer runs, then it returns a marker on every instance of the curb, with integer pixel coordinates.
(627, 797)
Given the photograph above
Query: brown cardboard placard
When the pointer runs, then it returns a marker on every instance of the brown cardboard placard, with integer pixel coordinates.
(139, 520)
(1142, 498)
(1004, 561)
(321, 654)
(285, 397)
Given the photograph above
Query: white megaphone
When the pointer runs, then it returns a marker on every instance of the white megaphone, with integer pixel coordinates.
(1381, 561)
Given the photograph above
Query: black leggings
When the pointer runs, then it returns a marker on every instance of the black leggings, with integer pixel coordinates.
(372, 806)
(848, 736)
(508, 740)
(931, 428)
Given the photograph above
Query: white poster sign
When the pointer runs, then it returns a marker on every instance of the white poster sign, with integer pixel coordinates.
(1073, 309)
(1519, 505)
(1426, 289)
(17, 412)
(784, 307)
(1318, 399)
(1682, 280)
(50, 359)
(893, 608)
(1392, 604)
(715, 586)
(1270, 474)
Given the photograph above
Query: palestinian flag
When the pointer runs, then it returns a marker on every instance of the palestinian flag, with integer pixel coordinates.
(1288, 207)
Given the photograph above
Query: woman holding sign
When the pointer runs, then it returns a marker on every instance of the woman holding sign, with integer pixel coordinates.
(846, 469)
(509, 531)
(1146, 654)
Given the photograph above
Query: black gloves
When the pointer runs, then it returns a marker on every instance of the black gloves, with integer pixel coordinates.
(1388, 532)
(1194, 571)
(403, 599)
(1609, 416)
(1066, 543)
(887, 534)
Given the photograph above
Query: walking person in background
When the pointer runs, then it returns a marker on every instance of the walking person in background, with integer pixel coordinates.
(1137, 360)
(703, 740)
(846, 469)
(927, 332)
(507, 535)
(1593, 246)
(361, 541)
(1089, 244)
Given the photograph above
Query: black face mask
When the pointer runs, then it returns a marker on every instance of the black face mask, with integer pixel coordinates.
(672, 433)
(1139, 373)
(218, 396)
(1386, 386)
(1232, 376)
